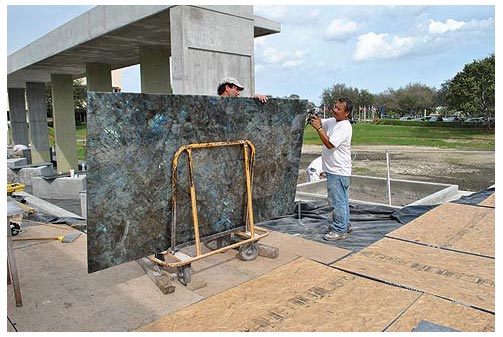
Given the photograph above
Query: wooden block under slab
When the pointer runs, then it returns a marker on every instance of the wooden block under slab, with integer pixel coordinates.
(490, 201)
(453, 226)
(446, 313)
(465, 278)
(302, 295)
(161, 280)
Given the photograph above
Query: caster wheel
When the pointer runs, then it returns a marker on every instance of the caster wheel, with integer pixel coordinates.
(14, 229)
(248, 252)
(159, 256)
(184, 275)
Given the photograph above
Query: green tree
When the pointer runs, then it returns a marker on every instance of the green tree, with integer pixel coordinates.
(415, 97)
(473, 89)
(330, 95)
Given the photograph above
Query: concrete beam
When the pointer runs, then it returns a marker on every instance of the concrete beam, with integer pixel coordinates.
(113, 34)
(39, 132)
(64, 122)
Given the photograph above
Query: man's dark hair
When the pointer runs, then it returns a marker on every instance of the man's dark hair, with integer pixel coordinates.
(221, 88)
(348, 103)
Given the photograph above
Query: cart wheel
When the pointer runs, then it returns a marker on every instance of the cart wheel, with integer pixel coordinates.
(248, 252)
(159, 256)
(183, 274)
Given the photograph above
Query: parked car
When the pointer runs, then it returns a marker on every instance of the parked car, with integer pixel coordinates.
(474, 120)
(452, 119)
(405, 118)
(433, 119)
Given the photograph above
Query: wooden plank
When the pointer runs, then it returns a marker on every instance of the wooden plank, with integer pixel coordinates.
(26, 208)
(161, 280)
(12, 268)
(465, 278)
(490, 201)
(445, 313)
(302, 295)
(453, 226)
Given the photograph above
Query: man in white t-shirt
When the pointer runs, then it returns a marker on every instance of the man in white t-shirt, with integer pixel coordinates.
(336, 133)
(17, 150)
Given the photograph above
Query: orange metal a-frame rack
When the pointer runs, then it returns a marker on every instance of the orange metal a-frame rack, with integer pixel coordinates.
(247, 245)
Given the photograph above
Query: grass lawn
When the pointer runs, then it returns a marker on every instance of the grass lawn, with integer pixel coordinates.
(442, 137)
(376, 134)
(81, 136)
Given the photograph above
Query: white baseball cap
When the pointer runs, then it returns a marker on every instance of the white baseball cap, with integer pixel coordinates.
(231, 80)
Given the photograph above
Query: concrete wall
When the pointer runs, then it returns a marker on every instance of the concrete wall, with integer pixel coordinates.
(208, 46)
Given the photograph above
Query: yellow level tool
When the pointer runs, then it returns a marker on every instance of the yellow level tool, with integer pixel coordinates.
(14, 187)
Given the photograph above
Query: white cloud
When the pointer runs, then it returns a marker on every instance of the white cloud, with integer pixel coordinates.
(292, 64)
(260, 41)
(341, 30)
(372, 46)
(436, 27)
(271, 55)
(451, 25)
(299, 53)
(440, 35)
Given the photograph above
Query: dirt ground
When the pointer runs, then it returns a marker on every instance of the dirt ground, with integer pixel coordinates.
(470, 170)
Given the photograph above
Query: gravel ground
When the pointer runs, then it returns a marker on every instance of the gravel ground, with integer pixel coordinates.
(470, 170)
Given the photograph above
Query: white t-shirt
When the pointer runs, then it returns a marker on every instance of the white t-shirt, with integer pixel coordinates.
(338, 159)
(19, 147)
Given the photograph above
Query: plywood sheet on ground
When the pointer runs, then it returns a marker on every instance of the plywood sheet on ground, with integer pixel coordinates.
(453, 226)
(222, 271)
(59, 295)
(445, 313)
(490, 201)
(465, 278)
(300, 296)
(321, 252)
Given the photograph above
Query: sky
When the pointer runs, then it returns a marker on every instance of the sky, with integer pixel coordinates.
(362, 46)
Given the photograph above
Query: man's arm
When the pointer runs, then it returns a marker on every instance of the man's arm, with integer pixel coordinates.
(316, 124)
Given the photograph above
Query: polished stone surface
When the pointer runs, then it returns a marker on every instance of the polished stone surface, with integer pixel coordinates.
(132, 139)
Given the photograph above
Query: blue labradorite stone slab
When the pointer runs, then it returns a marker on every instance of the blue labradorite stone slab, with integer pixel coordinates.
(132, 140)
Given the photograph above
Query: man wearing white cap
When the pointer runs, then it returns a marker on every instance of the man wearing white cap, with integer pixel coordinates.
(230, 87)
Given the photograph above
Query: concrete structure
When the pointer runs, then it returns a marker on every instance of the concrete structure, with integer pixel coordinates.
(60, 188)
(374, 190)
(180, 49)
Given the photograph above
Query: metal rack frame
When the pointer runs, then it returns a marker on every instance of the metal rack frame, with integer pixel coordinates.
(248, 249)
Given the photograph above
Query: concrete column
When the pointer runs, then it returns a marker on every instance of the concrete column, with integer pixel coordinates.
(17, 111)
(99, 77)
(154, 70)
(64, 122)
(39, 132)
(208, 45)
